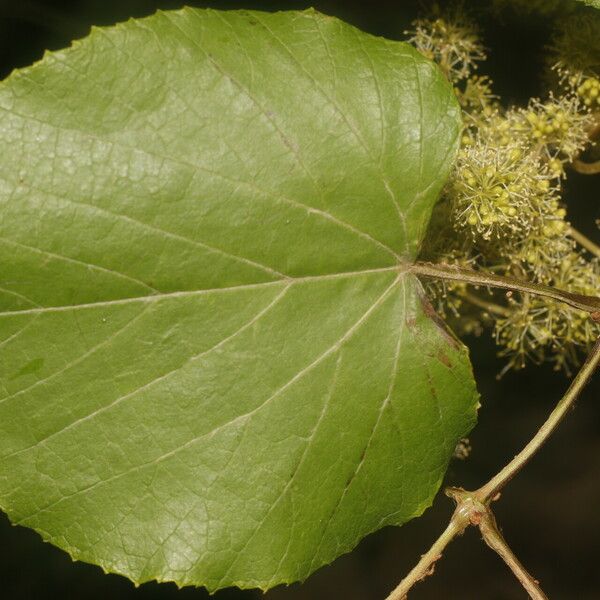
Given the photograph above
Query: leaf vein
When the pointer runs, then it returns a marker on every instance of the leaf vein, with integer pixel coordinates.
(239, 418)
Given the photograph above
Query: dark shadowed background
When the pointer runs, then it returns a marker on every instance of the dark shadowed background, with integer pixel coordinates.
(549, 514)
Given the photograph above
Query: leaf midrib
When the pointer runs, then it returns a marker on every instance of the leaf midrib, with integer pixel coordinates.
(399, 268)
(299, 374)
(196, 168)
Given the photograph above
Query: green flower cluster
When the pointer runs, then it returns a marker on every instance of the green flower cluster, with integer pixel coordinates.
(453, 43)
(502, 208)
(557, 126)
(584, 91)
(501, 190)
(535, 327)
(576, 44)
(589, 92)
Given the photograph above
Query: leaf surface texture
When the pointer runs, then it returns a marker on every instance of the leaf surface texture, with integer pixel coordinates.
(215, 366)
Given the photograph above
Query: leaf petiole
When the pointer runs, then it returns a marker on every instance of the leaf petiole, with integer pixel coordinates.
(589, 304)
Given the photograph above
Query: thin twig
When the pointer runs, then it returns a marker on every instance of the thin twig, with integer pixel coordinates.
(427, 563)
(589, 304)
(581, 166)
(493, 538)
(491, 307)
(494, 485)
(594, 130)
(473, 508)
(586, 168)
(584, 241)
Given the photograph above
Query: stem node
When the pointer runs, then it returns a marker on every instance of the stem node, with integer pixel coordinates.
(473, 508)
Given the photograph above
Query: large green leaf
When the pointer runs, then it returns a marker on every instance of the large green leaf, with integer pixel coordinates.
(593, 3)
(215, 365)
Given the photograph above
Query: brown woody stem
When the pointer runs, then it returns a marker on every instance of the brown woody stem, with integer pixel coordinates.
(490, 307)
(589, 304)
(493, 538)
(427, 563)
(473, 508)
(494, 485)
(584, 241)
(586, 168)
(594, 167)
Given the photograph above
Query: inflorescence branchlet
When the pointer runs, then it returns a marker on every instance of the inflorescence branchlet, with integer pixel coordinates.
(502, 209)
(453, 43)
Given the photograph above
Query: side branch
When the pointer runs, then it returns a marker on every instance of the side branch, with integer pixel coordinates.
(585, 168)
(494, 485)
(589, 304)
(584, 241)
(589, 168)
(425, 566)
(473, 508)
(493, 538)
